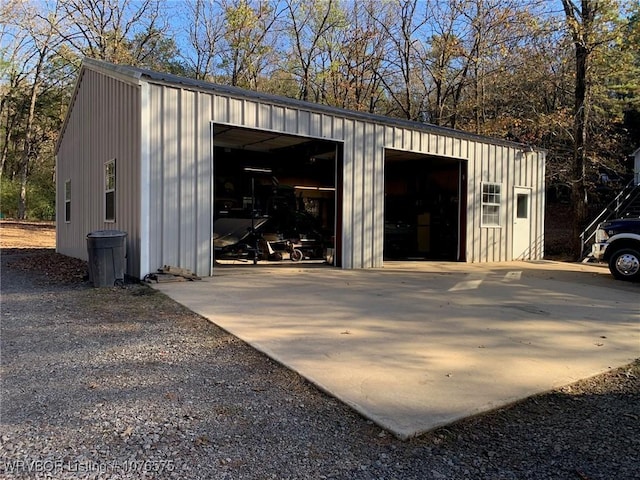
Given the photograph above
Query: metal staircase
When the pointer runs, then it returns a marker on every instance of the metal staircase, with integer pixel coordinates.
(625, 205)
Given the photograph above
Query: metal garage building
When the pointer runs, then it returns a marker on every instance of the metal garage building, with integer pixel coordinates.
(163, 157)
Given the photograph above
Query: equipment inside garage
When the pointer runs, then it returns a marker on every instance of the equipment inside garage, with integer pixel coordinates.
(274, 196)
(423, 210)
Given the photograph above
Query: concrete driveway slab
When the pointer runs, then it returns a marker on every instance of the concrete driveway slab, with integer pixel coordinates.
(414, 346)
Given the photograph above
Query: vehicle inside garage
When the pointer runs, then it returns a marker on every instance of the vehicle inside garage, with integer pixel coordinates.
(275, 197)
(424, 207)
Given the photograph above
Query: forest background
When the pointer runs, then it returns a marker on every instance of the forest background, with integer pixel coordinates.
(563, 75)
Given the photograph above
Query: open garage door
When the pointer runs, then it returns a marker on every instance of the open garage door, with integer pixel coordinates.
(425, 207)
(275, 198)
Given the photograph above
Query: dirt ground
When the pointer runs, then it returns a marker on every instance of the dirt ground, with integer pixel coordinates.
(27, 235)
(31, 248)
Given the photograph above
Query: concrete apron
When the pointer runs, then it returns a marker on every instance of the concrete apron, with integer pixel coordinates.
(417, 346)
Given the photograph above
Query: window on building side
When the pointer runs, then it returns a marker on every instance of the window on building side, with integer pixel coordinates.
(110, 191)
(67, 201)
(491, 198)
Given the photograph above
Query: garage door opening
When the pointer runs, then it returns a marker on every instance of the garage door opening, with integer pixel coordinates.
(275, 198)
(425, 207)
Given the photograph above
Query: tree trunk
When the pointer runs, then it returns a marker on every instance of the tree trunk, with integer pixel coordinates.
(579, 186)
(580, 22)
(28, 134)
(26, 153)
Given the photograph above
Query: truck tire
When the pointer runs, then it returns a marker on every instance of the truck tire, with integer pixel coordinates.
(624, 264)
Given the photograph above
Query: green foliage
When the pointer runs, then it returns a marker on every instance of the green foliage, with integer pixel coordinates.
(249, 42)
(614, 90)
(40, 195)
(9, 195)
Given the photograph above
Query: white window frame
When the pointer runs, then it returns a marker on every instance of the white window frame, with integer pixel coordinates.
(110, 179)
(491, 199)
(67, 201)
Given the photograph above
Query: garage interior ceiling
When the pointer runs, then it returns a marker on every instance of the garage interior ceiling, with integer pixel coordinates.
(258, 140)
(391, 156)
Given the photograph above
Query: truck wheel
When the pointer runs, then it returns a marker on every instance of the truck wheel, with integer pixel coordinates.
(625, 264)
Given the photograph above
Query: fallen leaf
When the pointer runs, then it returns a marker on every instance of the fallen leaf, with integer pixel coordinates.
(581, 474)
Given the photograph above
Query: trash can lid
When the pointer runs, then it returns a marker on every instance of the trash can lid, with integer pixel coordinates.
(107, 233)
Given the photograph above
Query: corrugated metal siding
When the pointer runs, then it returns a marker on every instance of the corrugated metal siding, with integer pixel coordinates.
(538, 204)
(103, 124)
(181, 172)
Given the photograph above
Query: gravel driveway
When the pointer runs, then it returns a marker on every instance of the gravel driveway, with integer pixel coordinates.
(125, 383)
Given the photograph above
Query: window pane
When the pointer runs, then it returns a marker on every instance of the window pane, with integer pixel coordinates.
(491, 215)
(67, 201)
(491, 199)
(522, 204)
(110, 187)
(110, 175)
(110, 206)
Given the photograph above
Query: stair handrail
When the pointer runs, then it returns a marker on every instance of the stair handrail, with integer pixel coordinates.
(628, 190)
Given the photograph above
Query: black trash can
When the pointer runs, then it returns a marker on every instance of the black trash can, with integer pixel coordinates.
(106, 249)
